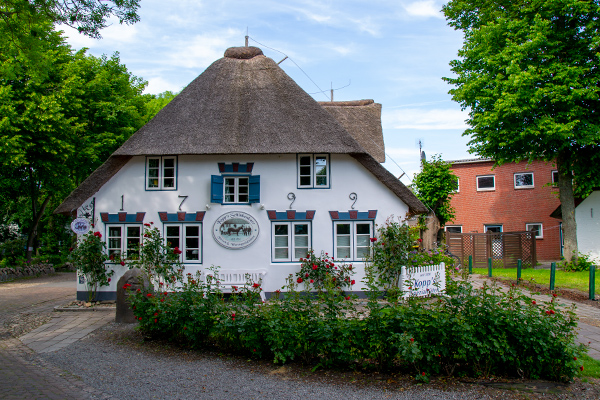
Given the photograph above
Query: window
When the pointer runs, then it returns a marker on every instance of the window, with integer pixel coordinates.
(454, 229)
(492, 228)
(537, 228)
(161, 173)
(123, 241)
(352, 240)
(235, 189)
(524, 180)
(188, 238)
(486, 182)
(313, 171)
(457, 185)
(291, 240)
(555, 178)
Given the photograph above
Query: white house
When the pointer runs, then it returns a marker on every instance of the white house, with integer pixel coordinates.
(245, 170)
(587, 216)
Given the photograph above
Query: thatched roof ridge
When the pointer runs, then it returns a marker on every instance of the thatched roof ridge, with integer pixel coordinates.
(362, 119)
(241, 106)
(92, 184)
(388, 179)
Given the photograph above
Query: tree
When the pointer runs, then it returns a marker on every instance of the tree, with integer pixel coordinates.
(528, 72)
(434, 186)
(58, 126)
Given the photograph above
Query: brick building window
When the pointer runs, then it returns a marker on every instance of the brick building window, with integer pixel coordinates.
(486, 182)
(537, 228)
(524, 180)
(454, 229)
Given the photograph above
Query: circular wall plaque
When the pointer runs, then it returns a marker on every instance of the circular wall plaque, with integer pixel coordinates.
(235, 230)
(80, 226)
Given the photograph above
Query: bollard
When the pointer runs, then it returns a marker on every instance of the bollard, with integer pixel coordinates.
(552, 275)
(490, 267)
(592, 282)
(519, 265)
(470, 265)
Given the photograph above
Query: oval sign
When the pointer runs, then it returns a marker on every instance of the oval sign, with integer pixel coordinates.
(81, 226)
(235, 230)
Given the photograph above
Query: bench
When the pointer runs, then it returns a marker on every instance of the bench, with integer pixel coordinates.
(238, 277)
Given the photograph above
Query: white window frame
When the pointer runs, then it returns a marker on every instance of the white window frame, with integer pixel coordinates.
(182, 240)
(121, 252)
(453, 226)
(291, 240)
(236, 189)
(313, 168)
(540, 231)
(485, 189)
(554, 180)
(458, 185)
(353, 239)
(161, 178)
(523, 186)
(487, 226)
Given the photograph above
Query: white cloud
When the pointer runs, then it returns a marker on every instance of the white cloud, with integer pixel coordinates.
(201, 50)
(416, 118)
(426, 8)
(158, 85)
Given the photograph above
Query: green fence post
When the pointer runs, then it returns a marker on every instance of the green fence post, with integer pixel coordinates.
(592, 282)
(470, 265)
(552, 275)
(519, 265)
(490, 267)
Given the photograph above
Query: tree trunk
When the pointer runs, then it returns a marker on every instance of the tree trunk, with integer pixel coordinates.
(33, 231)
(567, 208)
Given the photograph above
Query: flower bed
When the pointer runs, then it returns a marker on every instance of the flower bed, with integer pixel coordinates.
(469, 332)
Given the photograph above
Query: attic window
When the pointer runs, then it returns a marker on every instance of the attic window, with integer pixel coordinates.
(161, 173)
(313, 171)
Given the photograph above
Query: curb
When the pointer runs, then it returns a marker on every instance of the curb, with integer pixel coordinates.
(87, 309)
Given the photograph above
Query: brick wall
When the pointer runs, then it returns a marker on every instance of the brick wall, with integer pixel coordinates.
(512, 208)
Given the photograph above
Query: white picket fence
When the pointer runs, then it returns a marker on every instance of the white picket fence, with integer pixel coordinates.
(423, 281)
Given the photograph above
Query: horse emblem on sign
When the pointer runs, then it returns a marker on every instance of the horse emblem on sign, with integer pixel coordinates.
(235, 230)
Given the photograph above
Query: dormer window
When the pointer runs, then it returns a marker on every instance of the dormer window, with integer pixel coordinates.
(161, 173)
(313, 171)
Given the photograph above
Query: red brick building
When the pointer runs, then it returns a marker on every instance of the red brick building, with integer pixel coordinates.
(510, 198)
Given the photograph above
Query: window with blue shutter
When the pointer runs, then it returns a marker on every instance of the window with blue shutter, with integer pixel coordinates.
(236, 187)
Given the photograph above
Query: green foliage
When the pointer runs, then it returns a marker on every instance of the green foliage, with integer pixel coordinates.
(470, 332)
(322, 273)
(156, 102)
(580, 263)
(12, 251)
(159, 260)
(89, 257)
(434, 186)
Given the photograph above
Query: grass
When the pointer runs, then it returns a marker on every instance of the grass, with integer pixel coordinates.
(591, 367)
(564, 280)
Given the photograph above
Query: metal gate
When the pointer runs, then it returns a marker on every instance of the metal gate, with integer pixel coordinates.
(505, 248)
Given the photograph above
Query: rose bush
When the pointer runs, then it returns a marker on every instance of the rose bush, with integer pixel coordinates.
(89, 257)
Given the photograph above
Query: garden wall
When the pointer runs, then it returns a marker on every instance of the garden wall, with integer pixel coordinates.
(9, 274)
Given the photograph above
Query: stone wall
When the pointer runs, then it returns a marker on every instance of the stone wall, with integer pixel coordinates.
(9, 274)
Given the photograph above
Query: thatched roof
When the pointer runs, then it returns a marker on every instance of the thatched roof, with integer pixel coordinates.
(245, 104)
(362, 119)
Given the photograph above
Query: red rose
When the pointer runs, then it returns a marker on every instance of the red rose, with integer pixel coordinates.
(581, 368)
(551, 311)
(149, 295)
(373, 240)
(255, 285)
(123, 263)
(111, 257)
(155, 314)
(109, 279)
(155, 320)
(353, 282)
(299, 280)
(533, 302)
(412, 340)
(306, 275)
(98, 234)
(575, 358)
(312, 281)
(419, 240)
(315, 267)
(348, 298)
(423, 373)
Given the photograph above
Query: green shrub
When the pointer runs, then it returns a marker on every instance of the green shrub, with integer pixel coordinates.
(89, 258)
(469, 332)
(13, 251)
(582, 263)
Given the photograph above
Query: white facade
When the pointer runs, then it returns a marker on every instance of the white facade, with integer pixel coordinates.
(126, 192)
(587, 215)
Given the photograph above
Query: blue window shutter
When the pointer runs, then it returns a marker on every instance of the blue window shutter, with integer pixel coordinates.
(254, 189)
(216, 189)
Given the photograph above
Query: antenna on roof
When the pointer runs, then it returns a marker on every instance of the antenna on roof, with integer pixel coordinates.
(247, 36)
(331, 92)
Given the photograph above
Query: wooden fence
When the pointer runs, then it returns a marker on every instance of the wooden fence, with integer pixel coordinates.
(505, 248)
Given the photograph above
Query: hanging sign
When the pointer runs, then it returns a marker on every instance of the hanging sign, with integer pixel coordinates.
(81, 226)
(235, 230)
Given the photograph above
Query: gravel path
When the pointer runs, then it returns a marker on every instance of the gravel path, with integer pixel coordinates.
(116, 361)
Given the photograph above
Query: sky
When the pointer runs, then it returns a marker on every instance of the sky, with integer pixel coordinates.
(392, 51)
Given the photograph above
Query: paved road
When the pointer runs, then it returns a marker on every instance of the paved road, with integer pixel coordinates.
(22, 374)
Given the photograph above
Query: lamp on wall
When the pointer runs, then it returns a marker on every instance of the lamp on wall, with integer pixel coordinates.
(208, 206)
(262, 206)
